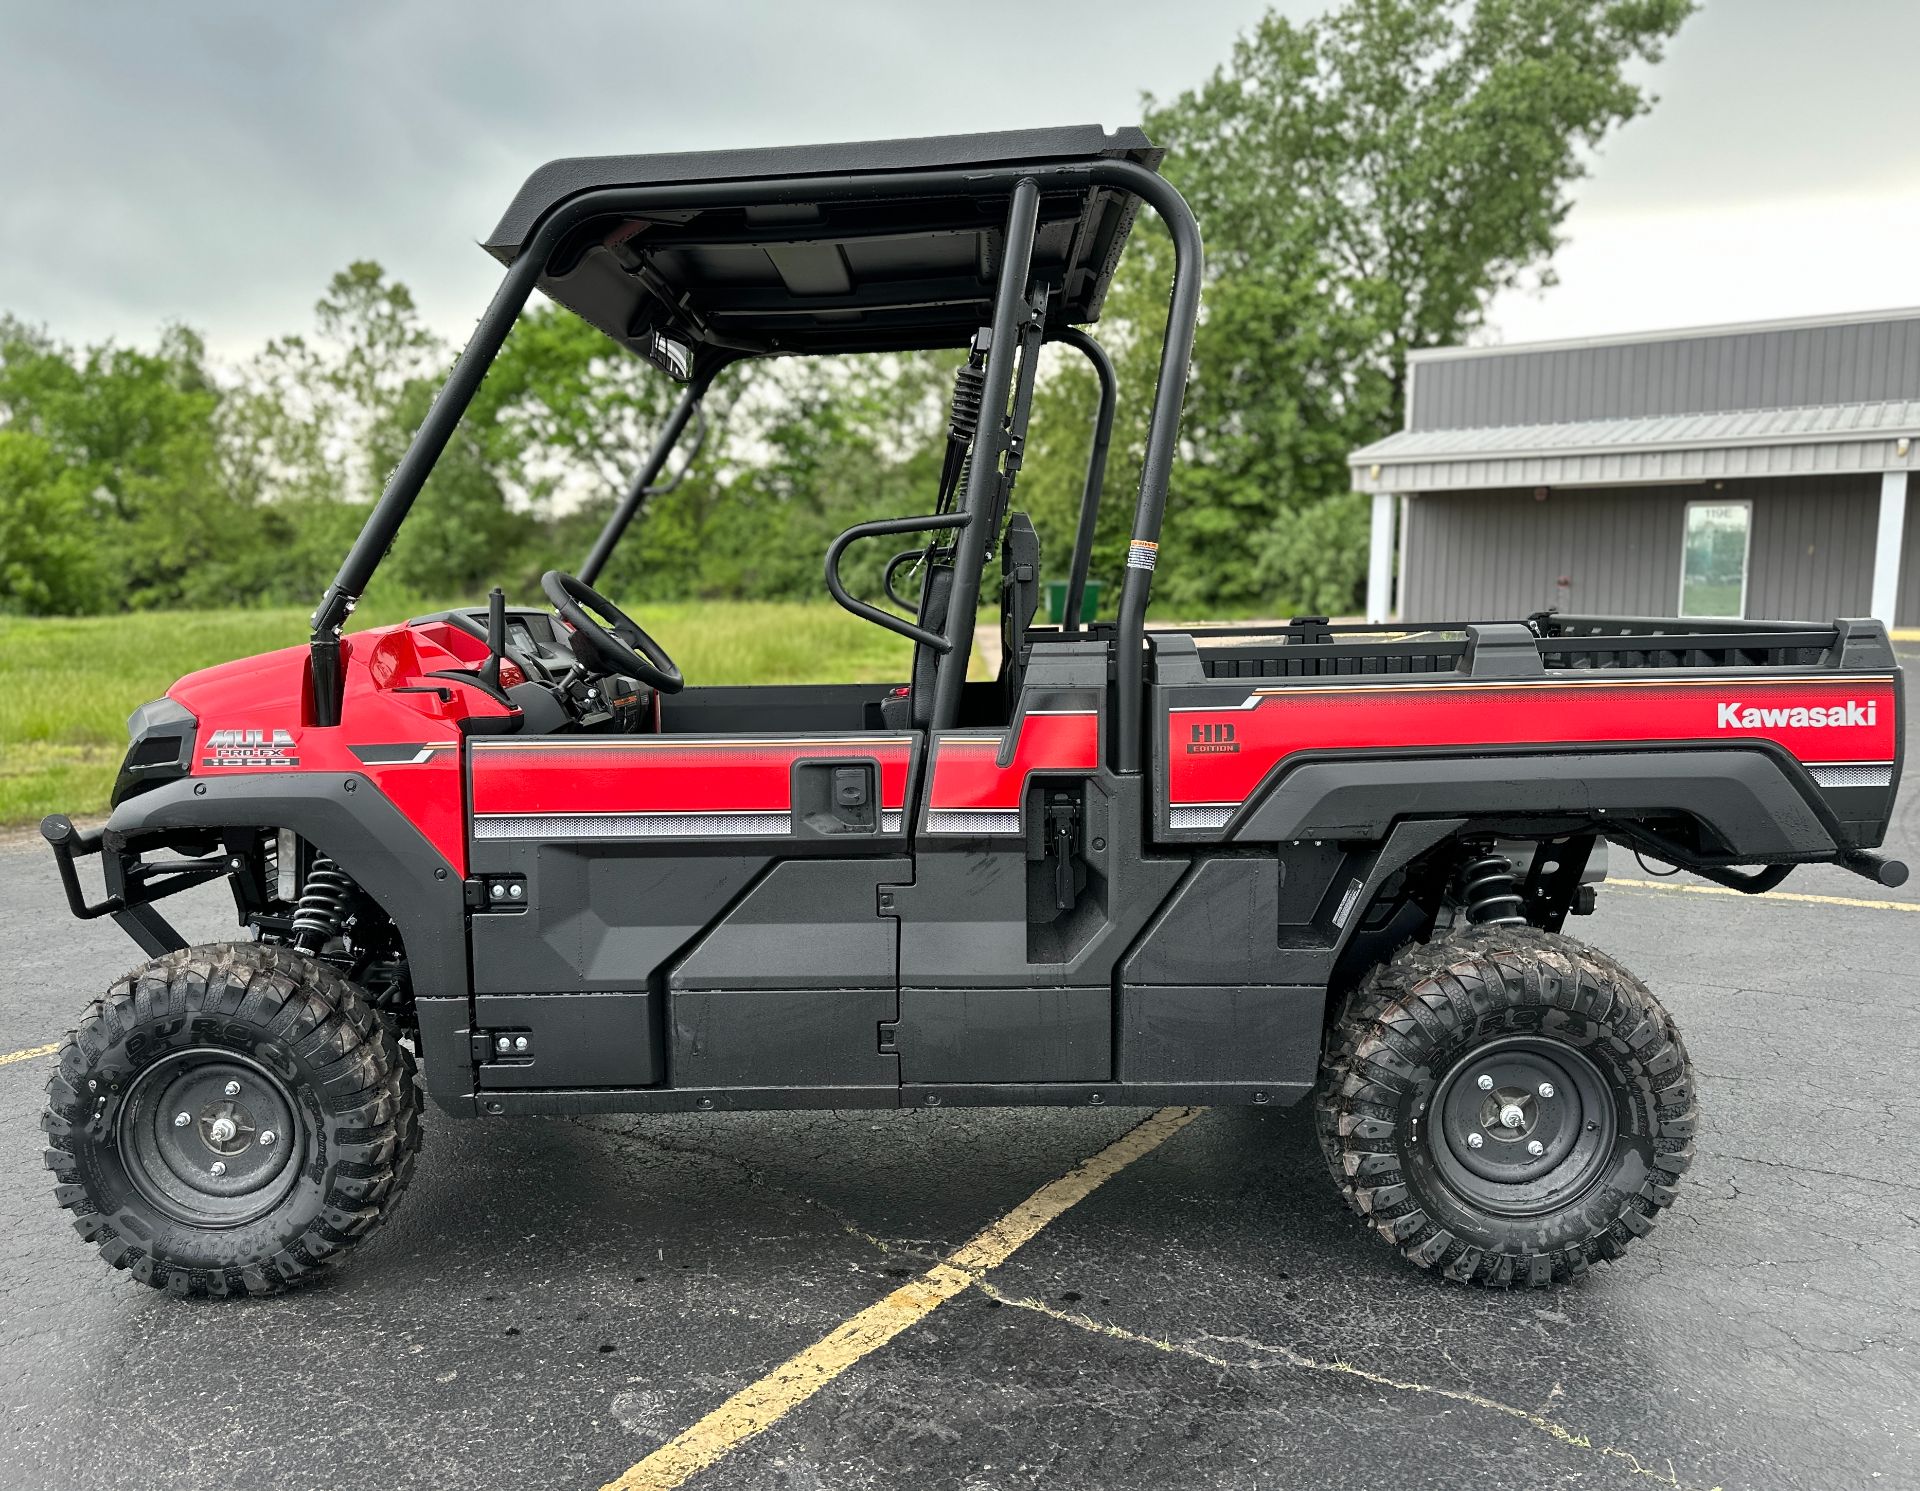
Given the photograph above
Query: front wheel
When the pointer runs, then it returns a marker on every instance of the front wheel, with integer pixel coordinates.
(1507, 1107)
(228, 1119)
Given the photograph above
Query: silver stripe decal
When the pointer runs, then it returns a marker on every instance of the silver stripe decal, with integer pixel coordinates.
(1852, 776)
(1198, 817)
(630, 825)
(952, 821)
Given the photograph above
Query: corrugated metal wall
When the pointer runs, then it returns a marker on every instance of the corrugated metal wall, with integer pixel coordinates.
(1812, 549)
(1868, 360)
(1501, 554)
(1906, 608)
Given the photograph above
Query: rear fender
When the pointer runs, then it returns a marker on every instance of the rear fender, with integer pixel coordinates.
(1754, 803)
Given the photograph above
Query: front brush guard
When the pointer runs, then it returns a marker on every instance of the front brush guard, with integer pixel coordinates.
(132, 884)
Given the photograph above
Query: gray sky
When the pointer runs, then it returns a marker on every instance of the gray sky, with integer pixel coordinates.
(215, 163)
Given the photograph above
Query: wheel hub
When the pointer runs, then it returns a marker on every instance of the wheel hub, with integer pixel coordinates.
(233, 1158)
(1522, 1124)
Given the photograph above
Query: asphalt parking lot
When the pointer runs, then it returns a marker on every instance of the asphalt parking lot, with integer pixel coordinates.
(557, 1300)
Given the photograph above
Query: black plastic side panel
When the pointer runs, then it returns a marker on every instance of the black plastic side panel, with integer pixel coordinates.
(1745, 798)
(787, 1038)
(599, 916)
(808, 924)
(573, 1040)
(570, 1101)
(963, 922)
(1213, 1034)
(1221, 925)
(1005, 1035)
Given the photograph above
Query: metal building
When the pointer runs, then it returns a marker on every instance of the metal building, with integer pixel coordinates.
(1755, 470)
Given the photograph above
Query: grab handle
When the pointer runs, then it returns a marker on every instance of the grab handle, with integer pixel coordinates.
(876, 529)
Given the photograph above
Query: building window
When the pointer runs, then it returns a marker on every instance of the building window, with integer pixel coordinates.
(1713, 559)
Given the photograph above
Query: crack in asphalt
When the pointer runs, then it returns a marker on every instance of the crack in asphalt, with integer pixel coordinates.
(1288, 1357)
(754, 1177)
(1871, 1180)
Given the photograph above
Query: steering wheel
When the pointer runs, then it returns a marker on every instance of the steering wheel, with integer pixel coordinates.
(620, 645)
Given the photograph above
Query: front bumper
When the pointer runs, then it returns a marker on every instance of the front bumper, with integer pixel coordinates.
(132, 883)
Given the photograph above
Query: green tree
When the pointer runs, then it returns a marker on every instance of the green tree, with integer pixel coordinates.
(48, 562)
(134, 431)
(1366, 183)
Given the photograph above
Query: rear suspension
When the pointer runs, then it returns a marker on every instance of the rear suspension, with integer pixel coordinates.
(1489, 892)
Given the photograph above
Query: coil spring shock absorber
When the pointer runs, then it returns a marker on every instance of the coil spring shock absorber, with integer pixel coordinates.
(324, 903)
(1491, 892)
(969, 398)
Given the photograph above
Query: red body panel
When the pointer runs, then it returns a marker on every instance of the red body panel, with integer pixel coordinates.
(656, 774)
(255, 718)
(1219, 755)
(969, 776)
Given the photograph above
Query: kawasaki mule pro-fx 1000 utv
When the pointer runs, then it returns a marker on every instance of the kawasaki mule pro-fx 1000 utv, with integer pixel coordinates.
(513, 850)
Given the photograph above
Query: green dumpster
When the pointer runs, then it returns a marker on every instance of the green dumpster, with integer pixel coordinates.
(1057, 601)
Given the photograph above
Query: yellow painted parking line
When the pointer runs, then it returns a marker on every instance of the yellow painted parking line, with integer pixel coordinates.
(1771, 895)
(27, 1055)
(797, 1379)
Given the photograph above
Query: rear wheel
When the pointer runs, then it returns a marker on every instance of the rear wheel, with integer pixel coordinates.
(229, 1119)
(1506, 1106)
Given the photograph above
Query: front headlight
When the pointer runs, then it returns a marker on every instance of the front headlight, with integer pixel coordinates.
(161, 748)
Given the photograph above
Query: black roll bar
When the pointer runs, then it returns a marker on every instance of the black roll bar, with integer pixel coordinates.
(1156, 470)
(643, 484)
(984, 476)
(1074, 336)
(1027, 182)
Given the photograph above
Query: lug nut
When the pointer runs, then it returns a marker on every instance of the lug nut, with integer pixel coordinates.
(218, 1167)
(1536, 1148)
(1484, 1082)
(233, 1089)
(266, 1136)
(1546, 1089)
(1512, 1116)
(181, 1120)
(1474, 1141)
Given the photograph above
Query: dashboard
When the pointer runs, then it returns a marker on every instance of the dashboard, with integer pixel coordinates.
(535, 639)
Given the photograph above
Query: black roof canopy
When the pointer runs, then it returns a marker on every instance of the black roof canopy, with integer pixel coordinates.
(821, 265)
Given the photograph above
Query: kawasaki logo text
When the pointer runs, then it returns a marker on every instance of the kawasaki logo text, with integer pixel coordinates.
(1735, 715)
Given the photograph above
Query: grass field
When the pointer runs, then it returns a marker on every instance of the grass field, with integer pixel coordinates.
(68, 684)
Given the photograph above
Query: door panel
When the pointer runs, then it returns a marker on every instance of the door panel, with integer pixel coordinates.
(732, 878)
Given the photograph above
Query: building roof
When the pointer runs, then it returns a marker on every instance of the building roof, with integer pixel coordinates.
(1821, 438)
(835, 268)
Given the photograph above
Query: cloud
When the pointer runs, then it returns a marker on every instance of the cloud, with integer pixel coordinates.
(215, 163)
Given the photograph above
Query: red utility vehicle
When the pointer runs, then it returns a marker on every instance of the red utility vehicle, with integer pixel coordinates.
(512, 849)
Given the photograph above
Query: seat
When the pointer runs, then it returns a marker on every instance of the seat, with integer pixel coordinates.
(912, 708)
(1019, 597)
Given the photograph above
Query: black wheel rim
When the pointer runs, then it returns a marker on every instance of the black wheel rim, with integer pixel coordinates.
(210, 1138)
(1522, 1126)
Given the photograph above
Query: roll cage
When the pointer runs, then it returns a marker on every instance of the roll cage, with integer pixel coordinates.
(995, 242)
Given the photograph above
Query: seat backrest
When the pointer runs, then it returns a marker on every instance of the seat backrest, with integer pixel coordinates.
(1019, 592)
(916, 708)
